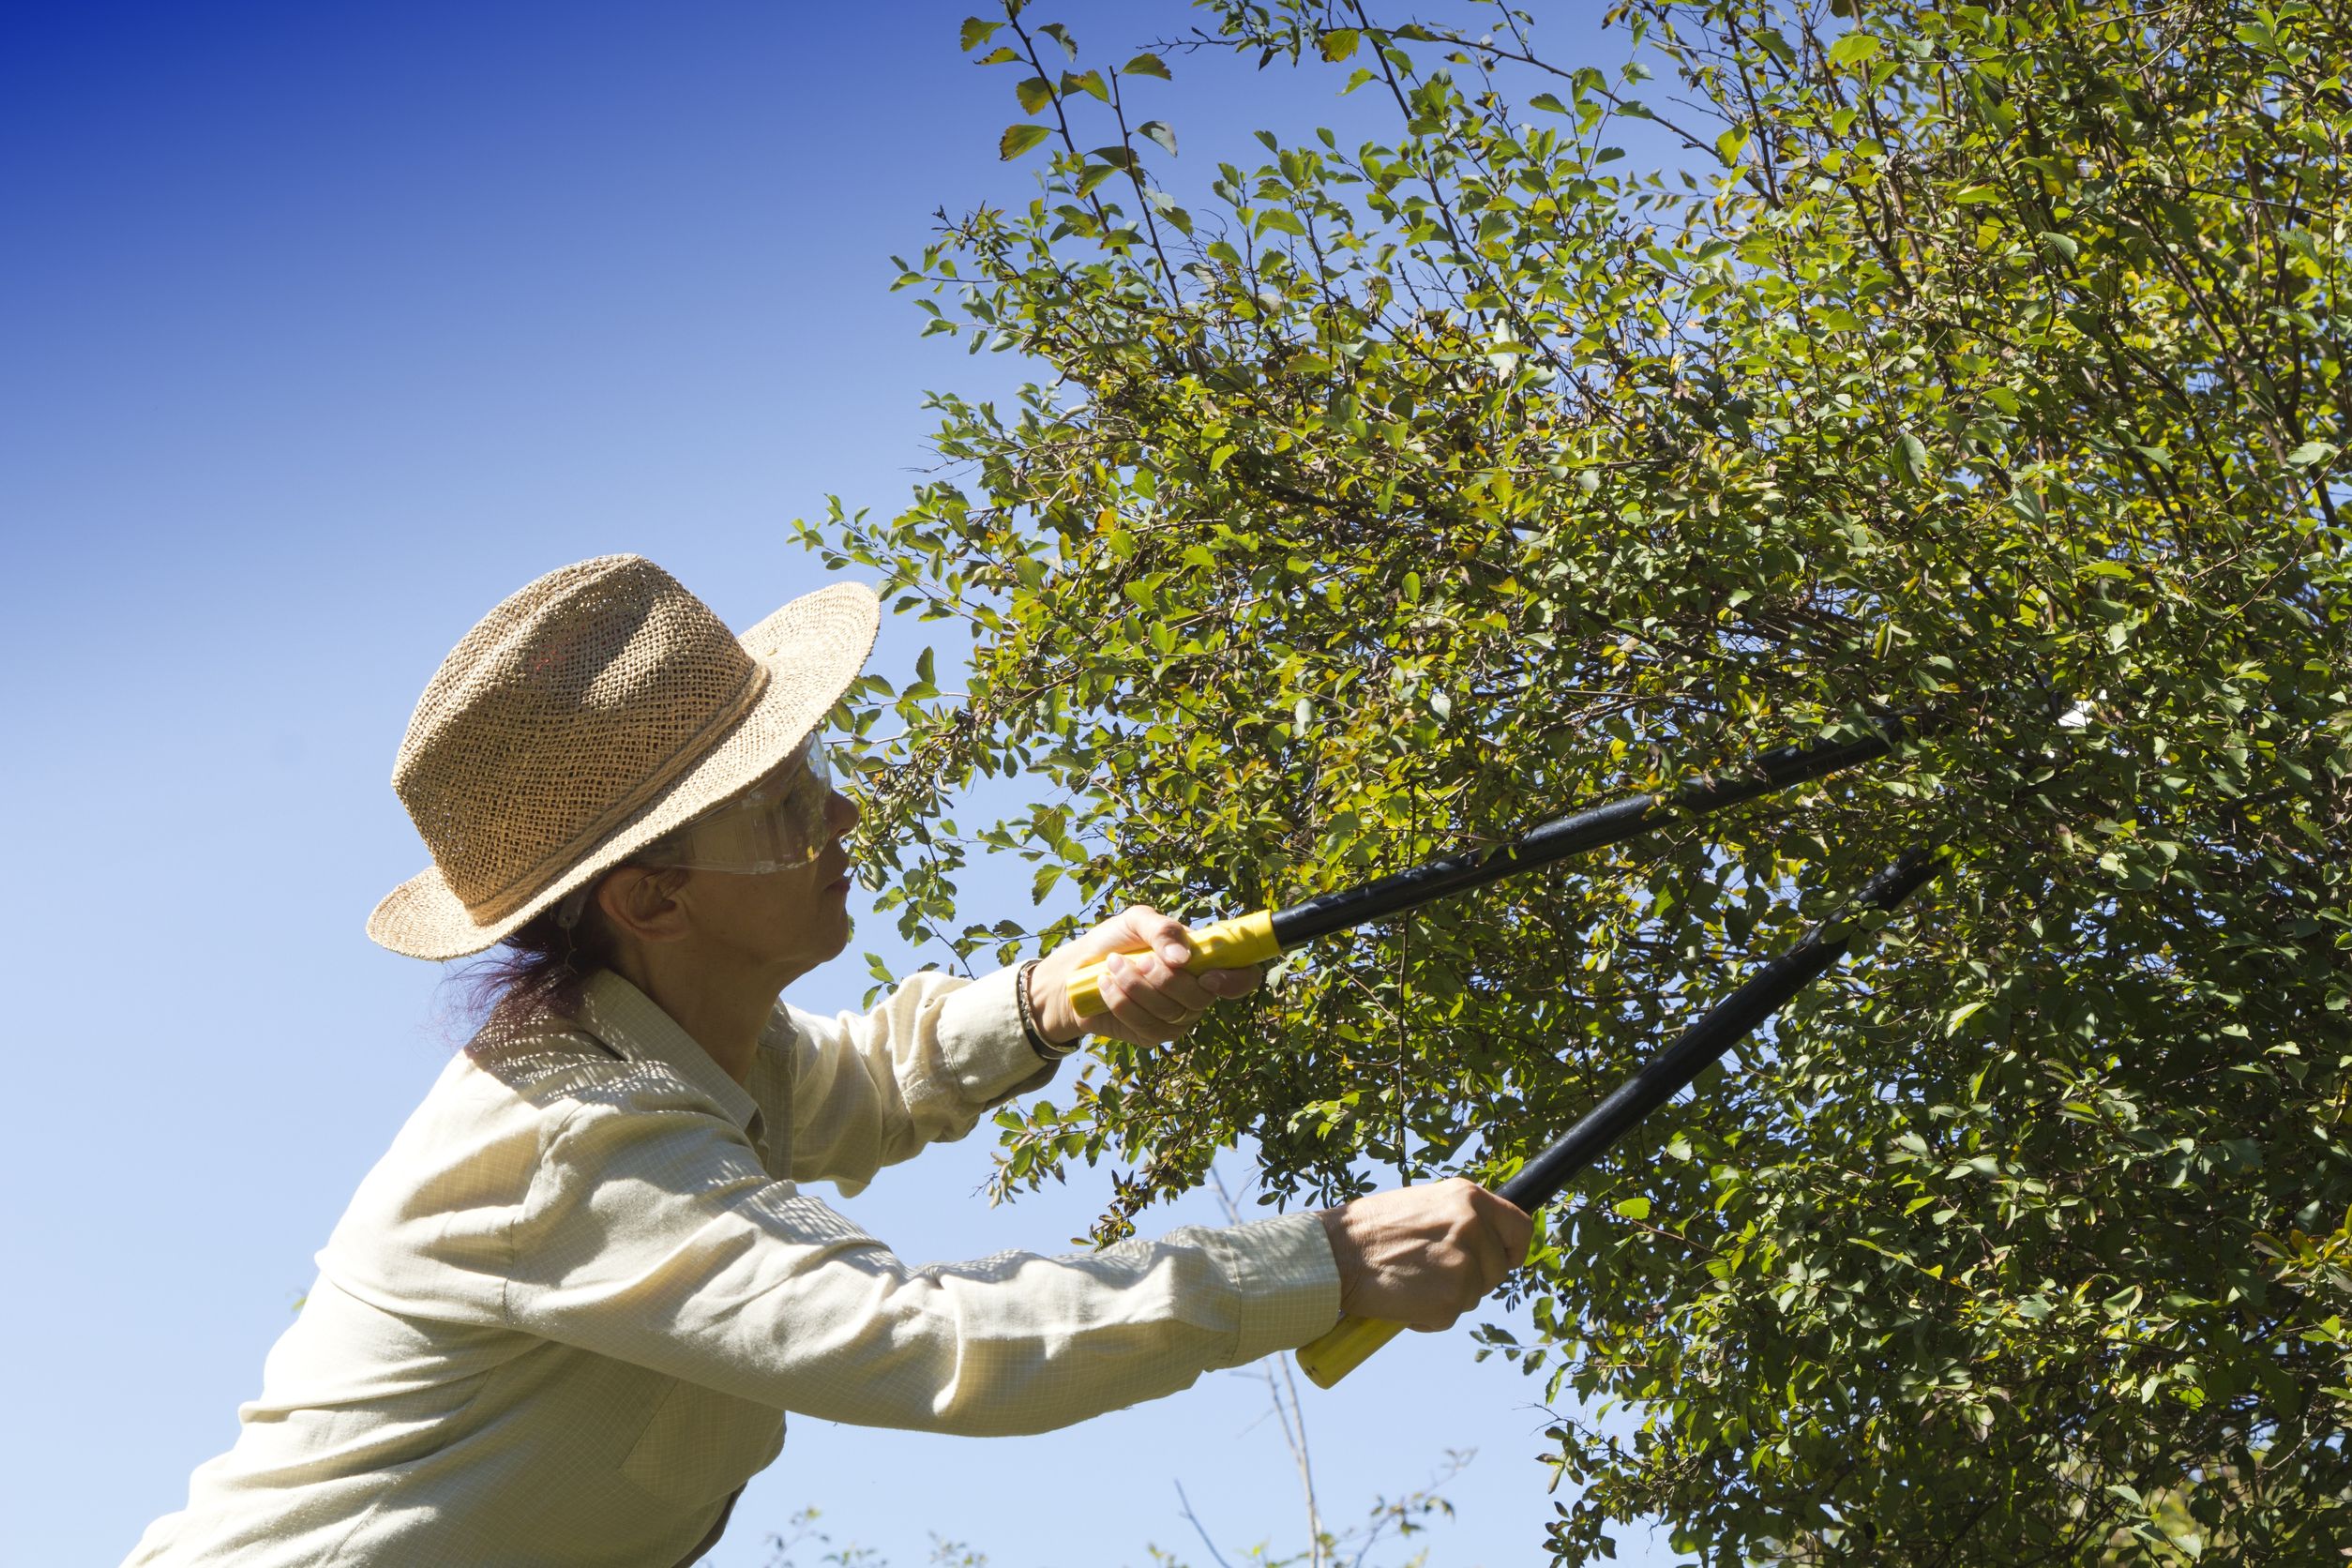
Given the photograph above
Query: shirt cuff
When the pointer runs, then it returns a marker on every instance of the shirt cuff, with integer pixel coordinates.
(1288, 1282)
(982, 1044)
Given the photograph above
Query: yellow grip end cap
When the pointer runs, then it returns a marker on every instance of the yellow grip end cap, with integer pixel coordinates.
(1347, 1346)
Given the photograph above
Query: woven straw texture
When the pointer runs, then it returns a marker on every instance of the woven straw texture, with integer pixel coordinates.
(589, 714)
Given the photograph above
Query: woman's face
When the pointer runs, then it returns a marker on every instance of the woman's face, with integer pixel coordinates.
(751, 931)
(787, 921)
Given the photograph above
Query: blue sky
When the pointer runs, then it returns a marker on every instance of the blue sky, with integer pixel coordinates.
(321, 328)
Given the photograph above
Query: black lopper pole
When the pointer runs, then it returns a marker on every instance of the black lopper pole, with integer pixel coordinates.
(1265, 934)
(1574, 834)
(1664, 1075)
(1723, 1026)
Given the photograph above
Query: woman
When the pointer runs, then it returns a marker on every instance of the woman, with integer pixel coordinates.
(562, 1318)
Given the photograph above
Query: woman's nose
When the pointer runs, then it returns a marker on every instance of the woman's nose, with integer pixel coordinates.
(841, 813)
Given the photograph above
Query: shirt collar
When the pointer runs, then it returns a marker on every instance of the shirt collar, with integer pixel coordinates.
(630, 1022)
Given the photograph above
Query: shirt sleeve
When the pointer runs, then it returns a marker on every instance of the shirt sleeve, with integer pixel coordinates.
(650, 1234)
(870, 1088)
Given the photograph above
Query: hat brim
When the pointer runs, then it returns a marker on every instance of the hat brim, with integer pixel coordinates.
(813, 648)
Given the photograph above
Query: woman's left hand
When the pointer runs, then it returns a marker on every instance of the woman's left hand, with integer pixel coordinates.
(1151, 995)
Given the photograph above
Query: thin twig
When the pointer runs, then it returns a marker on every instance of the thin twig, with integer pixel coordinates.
(1291, 1414)
(1200, 1529)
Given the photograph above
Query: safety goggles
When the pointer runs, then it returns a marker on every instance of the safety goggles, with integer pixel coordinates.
(776, 824)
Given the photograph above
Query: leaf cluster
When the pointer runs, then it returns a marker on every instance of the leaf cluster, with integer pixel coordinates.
(1387, 498)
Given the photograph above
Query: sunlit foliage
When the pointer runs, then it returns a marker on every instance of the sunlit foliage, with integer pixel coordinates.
(1384, 497)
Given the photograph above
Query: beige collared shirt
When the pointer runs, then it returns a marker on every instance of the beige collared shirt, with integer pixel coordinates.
(565, 1315)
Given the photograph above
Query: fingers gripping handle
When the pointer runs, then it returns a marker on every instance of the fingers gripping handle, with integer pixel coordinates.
(1327, 1360)
(1234, 944)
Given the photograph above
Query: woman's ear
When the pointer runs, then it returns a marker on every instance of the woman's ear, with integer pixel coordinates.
(642, 901)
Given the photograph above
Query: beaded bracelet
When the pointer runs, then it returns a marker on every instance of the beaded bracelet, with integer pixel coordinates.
(1037, 1040)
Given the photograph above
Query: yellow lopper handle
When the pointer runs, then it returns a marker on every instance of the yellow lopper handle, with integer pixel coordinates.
(1235, 944)
(1347, 1346)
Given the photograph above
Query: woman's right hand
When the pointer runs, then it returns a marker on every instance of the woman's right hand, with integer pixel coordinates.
(1423, 1256)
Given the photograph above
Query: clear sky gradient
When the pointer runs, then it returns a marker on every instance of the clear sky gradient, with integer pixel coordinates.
(321, 329)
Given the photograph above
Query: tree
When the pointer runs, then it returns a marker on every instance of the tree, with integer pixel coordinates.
(1386, 498)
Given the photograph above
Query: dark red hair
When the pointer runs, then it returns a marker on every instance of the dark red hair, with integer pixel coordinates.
(543, 967)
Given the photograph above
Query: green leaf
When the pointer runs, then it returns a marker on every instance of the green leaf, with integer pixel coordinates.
(1159, 131)
(2311, 452)
(1547, 102)
(1339, 43)
(1019, 139)
(1087, 81)
(1146, 65)
(1854, 48)
(976, 31)
(1631, 1208)
(1913, 453)
(1034, 93)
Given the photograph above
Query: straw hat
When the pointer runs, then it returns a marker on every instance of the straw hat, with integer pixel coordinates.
(590, 714)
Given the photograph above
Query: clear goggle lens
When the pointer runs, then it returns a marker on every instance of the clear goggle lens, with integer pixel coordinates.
(776, 824)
